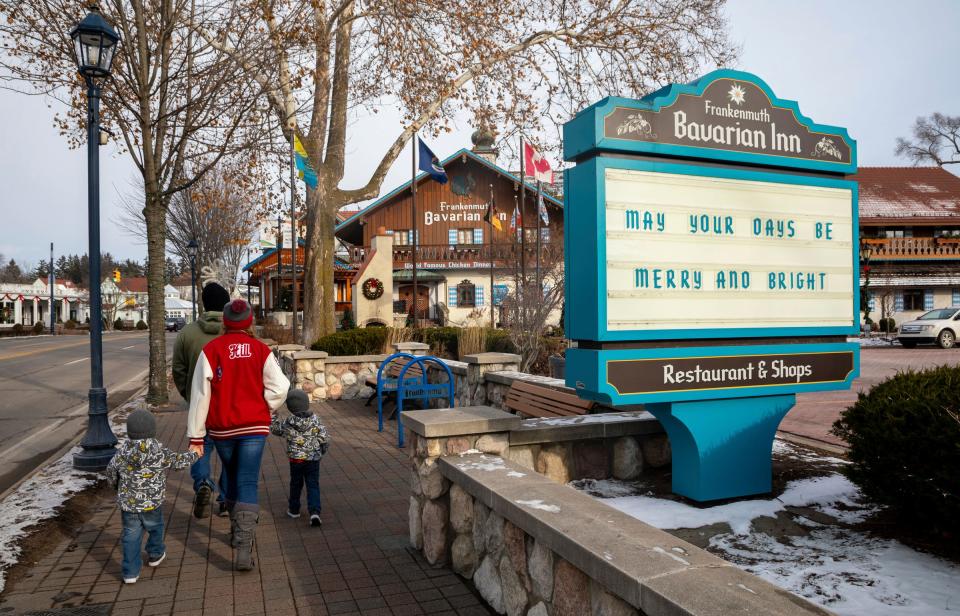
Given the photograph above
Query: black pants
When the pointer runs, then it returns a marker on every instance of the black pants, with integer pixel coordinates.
(305, 473)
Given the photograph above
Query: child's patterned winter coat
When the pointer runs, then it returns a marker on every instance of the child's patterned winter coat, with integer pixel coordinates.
(306, 436)
(137, 471)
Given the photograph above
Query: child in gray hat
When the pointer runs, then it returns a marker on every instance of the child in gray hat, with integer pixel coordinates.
(307, 442)
(137, 472)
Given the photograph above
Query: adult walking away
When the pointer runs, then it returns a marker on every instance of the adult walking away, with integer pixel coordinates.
(237, 384)
(186, 350)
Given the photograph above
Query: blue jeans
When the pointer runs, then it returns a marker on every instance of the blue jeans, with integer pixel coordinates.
(200, 471)
(307, 472)
(241, 459)
(134, 524)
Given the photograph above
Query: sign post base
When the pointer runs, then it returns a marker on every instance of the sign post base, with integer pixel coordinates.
(722, 448)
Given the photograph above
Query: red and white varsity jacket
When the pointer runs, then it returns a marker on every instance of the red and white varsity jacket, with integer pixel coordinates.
(236, 385)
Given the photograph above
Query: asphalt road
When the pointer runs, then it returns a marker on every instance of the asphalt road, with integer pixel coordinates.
(43, 392)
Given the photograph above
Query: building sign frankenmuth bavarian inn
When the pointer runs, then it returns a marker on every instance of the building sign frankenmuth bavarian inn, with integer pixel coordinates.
(718, 287)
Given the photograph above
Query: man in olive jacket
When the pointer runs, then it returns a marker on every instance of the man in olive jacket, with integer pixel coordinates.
(186, 350)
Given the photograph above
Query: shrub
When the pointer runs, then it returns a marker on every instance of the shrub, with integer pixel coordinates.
(18, 329)
(38, 327)
(443, 341)
(904, 437)
(118, 324)
(888, 325)
(498, 341)
(70, 324)
(362, 341)
(347, 322)
(141, 325)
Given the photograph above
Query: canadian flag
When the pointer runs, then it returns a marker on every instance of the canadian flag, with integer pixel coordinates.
(536, 165)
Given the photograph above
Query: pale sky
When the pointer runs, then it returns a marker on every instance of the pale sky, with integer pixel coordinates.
(869, 65)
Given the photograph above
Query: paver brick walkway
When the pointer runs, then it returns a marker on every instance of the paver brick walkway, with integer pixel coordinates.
(359, 562)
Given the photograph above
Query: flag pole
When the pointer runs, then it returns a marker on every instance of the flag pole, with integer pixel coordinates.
(539, 286)
(493, 212)
(293, 229)
(523, 237)
(413, 199)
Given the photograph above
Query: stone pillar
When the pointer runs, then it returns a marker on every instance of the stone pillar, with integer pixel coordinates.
(414, 348)
(309, 373)
(474, 388)
(437, 516)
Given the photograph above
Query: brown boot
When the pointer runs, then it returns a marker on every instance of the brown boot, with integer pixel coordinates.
(246, 527)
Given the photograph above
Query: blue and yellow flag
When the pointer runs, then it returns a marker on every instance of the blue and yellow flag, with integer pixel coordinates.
(307, 174)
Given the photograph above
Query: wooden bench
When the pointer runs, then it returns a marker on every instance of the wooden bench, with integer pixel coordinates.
(536, 401)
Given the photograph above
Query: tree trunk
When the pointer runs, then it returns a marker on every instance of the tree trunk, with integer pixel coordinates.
(319, 298)
(155, 215)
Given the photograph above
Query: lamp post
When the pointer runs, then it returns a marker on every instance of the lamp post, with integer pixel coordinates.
(277, 306)
(865, 253)
(248, 277)
(192, 248)
(95, 44)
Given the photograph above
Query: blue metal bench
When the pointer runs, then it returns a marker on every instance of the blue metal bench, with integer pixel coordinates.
(418, 387)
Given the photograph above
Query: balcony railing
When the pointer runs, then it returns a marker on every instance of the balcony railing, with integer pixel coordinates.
(909, 248)
(465, 255)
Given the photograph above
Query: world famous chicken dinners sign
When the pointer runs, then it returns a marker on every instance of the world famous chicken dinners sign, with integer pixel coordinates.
(687, 280)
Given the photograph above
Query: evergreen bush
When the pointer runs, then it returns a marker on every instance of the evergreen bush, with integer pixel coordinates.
(141, 325)
(18, 329)
(888, 325)
(498, 341)
(904, 437)
(38, 327)
(70, 324)
(347, 322)
(361, 341)
(118, 325)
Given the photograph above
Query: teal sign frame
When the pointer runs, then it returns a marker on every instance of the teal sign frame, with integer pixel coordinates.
(711, 388)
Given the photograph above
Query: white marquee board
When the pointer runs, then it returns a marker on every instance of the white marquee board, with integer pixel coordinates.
(687, 252)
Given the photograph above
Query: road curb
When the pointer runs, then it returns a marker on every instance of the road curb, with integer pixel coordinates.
(812, 443)
(59, 453)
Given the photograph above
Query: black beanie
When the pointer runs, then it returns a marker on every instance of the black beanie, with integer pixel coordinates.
(298, 403)
(214, 297)
(141, 424)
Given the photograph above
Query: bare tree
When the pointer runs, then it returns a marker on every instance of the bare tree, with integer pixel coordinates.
(936, 140)
(512, 64)
(529, 311)
(176, 103)
(220, 211)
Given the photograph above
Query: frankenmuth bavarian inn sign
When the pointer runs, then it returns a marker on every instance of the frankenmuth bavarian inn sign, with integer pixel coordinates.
(711, 268)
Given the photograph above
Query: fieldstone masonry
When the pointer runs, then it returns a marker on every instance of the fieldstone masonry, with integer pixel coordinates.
(531, 547)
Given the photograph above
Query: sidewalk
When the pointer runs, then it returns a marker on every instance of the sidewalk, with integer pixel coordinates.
(358, 563)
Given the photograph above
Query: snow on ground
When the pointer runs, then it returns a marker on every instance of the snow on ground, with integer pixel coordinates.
(39, 498)
(875, 341)
(840, 568)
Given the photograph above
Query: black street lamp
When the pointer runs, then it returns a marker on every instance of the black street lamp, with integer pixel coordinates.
(248, 277)
(95, 44)
(866, 251)
(192, 249)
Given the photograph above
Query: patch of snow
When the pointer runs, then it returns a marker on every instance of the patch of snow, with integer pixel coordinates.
(785, 449)
(844, 570)
(848, 572)
(470, 451)
(876, 341)
(539, 504)
(515, 474)
(495, 464)
(743, 587)
(608, 556)
(660, 550)
(40, 498)
(609, 488)
(596, 418)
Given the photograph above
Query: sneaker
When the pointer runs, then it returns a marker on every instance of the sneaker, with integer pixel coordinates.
(315, 519)
(222, 511)
(153, 562)
(293, 514)
(132, 580)
(201, 502)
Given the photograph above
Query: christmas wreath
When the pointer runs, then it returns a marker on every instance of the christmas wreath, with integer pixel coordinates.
(372, 288)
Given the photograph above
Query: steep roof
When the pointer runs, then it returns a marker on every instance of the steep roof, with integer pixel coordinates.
(355, 217)
(927, 193)
(136, 284)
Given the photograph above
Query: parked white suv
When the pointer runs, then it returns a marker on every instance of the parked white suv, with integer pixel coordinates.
(939, 326)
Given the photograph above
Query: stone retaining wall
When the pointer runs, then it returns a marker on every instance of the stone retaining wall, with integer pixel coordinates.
(534, 547)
